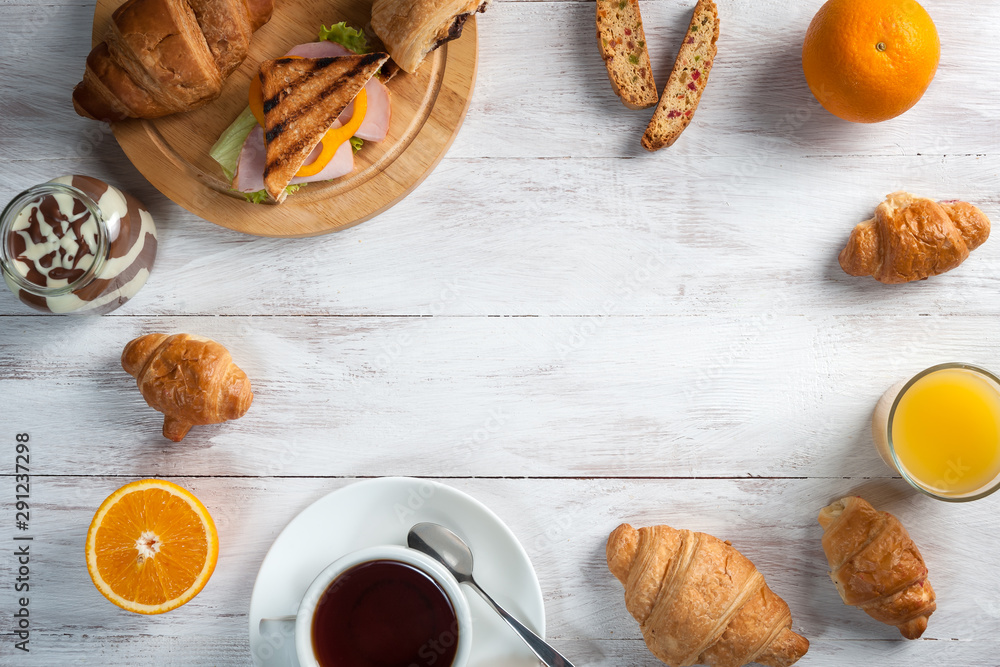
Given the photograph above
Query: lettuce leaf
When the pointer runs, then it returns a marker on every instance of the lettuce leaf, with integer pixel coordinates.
(356, 143)
(260, 196)
(226, 150)
(345, 35)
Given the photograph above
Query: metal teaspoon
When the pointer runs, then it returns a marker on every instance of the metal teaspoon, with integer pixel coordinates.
(448, 548)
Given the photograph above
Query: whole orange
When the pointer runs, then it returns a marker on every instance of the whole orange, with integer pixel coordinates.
(870, 60)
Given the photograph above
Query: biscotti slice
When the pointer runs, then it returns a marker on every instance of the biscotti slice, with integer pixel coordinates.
(623, 48)
(682, 93)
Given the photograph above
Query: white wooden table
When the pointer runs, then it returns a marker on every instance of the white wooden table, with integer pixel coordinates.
(573, 331)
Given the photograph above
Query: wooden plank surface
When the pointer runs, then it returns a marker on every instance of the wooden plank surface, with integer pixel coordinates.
(572, 331)
(758, 100)
(573, 237)
(760, 396)
(562, 525)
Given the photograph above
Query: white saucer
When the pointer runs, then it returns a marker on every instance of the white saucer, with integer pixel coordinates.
(381, 511)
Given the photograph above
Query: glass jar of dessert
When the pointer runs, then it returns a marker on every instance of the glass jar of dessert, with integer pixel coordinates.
(76, 245)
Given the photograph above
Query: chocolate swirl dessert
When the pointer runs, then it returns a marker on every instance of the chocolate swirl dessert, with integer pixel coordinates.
(76, 244)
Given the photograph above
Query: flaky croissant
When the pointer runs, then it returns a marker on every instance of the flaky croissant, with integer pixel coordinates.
(876, 566)
(913, 238)
(700, 601)
(165, 56)
(190, 379)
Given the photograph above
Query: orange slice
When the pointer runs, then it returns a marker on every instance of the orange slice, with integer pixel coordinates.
(151, 547)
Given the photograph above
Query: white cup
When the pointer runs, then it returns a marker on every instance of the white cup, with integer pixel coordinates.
(422, 562)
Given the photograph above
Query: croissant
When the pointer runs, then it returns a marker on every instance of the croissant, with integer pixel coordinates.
(912, 238)
(165, 56)
(700, 601)
(876, 566)
(410, 29)
(190, 379)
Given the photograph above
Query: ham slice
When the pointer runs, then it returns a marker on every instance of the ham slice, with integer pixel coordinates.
(376, 124)
(250, 168)
(322, 49)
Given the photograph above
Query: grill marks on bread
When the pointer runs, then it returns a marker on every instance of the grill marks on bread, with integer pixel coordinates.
(303, 97)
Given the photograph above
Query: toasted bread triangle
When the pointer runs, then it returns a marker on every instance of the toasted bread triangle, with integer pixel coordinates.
(302, 99)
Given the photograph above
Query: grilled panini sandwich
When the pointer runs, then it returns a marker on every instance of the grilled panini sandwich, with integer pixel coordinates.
(302, 99)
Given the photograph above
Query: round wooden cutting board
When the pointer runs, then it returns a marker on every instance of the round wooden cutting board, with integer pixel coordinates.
(427, 110)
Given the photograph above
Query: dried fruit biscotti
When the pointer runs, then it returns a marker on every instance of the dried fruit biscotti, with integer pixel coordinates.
(682, 93)
(623, 48)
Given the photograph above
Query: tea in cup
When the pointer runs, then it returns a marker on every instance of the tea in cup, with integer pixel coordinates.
(385, 606)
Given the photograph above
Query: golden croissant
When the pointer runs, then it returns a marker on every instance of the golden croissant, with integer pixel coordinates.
(876, 566)
(190, 379)
(700, 601)
(913, 238)
(165, 56)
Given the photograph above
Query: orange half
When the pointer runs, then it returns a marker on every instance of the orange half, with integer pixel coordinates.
(151, 547)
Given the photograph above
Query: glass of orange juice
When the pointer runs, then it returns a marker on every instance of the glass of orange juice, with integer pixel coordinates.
(941, 431)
